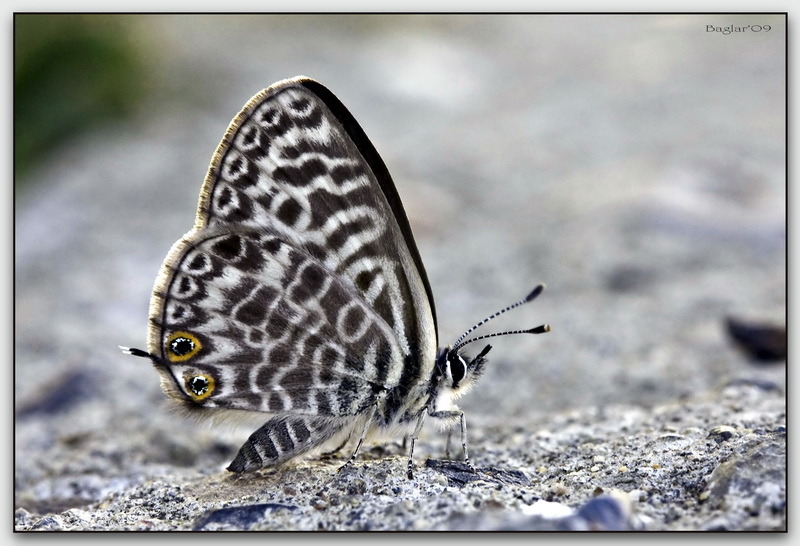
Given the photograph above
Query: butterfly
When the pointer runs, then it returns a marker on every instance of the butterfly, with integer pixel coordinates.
(300, 296)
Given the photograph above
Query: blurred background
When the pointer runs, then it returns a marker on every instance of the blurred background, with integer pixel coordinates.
(633, 163)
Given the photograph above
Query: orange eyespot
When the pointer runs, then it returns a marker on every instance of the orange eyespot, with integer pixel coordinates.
(199, 386)
(182, 346)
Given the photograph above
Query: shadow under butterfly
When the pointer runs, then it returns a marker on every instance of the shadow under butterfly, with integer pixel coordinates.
(300, 294)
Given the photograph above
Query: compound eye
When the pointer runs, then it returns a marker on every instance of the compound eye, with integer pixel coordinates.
(200, 386)
(182, 346)
(458, 369)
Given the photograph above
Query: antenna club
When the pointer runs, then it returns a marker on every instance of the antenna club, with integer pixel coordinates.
(536, 291)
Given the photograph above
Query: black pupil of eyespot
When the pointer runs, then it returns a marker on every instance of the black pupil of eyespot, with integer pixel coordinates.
(199, 385)
(181, 346)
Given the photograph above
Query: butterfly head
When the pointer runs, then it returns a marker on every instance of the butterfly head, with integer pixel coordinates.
(457, 374)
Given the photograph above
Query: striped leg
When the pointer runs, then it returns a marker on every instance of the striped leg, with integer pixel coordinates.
(449, 414)
(361, 438)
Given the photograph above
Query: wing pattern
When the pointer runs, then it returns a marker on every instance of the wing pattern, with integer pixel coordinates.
(299, 290)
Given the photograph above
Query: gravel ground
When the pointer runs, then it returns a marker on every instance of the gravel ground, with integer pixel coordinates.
(635, 164)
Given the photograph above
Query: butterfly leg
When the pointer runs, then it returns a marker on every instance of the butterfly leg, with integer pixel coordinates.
(361, 438)
(281, 439)
(448, 415)
(447, 443)
(414, 436)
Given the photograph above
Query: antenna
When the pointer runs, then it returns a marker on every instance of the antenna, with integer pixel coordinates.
(542, 329)
(538, 330)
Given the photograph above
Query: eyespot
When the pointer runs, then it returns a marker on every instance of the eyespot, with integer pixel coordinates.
(182, 346)
(200, 386)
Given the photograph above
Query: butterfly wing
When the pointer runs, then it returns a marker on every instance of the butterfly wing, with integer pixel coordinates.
(300, 288)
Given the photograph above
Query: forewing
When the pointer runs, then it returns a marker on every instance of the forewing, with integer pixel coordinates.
(295, 161)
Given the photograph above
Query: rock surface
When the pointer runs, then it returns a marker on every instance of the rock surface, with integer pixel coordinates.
(635, 164)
